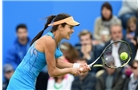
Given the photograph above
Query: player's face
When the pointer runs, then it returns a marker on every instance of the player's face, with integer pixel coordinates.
(116, 33)
(22, 33)
(106, 13)
(85, 39)
(67, 31)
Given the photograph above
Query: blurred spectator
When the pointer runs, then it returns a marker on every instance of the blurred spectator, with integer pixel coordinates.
(60, 82)
(69, 52)
(8, 72)
(110, 79)
(86, 81)
(131, 29)
(129, 8)
(87, 50)
(116, 34)
(100, 72)
(136, 32)
(132, 82)
(19, 48)
(102, 24)
(127, 70)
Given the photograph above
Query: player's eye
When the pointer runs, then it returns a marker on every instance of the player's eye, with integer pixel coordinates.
(71, 27)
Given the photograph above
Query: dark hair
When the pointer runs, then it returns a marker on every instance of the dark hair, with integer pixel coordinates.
(85, 32)
(21, 26)
(50, 19)
(108, 6)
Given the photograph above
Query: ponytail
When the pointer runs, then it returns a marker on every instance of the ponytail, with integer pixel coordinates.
(50, 18)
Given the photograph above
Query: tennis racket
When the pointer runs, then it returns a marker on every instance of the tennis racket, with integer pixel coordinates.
(109, 60)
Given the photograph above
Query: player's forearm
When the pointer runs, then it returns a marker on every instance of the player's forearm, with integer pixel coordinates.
(62, 64)
(57, 72)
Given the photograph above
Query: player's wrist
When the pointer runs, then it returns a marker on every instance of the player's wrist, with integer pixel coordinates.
(76, 65)
(69, 70)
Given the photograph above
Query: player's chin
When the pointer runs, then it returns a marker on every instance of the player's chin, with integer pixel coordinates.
(68, 37)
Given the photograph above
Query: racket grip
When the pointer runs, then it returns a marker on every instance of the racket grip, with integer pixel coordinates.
(81, 69)
(90, 65)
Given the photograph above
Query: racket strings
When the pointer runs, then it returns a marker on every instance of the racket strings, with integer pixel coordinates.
(124, 48)
(108, 58)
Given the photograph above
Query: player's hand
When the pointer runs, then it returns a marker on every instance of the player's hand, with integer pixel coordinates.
(84, 68)
(75, 71)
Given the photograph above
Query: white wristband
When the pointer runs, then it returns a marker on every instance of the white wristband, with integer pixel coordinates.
(76, 65)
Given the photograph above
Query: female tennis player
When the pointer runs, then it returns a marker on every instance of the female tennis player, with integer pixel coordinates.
(45, 50)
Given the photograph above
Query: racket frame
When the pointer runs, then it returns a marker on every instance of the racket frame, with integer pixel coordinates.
(101, 56)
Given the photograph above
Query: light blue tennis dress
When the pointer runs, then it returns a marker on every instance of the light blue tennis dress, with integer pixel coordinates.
(24, 77)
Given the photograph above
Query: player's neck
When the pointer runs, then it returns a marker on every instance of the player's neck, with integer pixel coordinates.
(57, 37)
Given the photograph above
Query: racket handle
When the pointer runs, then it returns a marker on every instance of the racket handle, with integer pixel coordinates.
(90, 65)
(81, 69)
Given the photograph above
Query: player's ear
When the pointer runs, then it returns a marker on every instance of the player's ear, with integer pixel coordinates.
(60, 27)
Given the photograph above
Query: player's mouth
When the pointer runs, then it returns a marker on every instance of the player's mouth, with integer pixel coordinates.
(70, 34)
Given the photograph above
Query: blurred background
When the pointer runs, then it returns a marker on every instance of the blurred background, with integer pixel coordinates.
(22, 20)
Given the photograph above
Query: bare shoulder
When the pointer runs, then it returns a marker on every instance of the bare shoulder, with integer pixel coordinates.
(45, 42)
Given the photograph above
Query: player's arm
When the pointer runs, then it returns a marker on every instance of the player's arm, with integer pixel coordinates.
(60, 63)
(53, 71)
